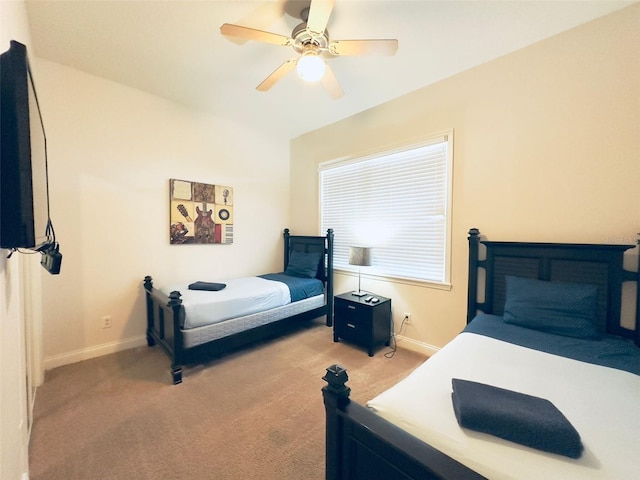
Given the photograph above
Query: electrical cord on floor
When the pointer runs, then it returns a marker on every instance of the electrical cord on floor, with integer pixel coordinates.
(394, 345)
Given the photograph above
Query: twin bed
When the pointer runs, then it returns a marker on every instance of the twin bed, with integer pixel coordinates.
(544, 382)
(214, 318)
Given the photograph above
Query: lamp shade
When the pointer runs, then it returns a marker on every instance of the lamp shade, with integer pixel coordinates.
(360, 256)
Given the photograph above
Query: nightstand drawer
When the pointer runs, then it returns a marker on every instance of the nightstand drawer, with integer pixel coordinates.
(352, 329)
(354, 312)
(361, 322)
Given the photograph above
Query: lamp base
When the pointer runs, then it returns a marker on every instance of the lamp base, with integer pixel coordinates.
(359, 293)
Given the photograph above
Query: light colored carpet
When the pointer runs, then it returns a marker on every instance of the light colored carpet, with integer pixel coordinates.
(253, 414)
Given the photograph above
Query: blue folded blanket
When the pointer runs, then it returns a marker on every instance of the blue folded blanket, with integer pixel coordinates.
(517, 417)
(209, 286)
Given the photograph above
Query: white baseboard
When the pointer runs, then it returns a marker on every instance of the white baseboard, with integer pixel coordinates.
(133, 342)
(93, 352)
(414, 345)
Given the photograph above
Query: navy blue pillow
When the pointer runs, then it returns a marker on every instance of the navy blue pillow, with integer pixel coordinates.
(569, 309)
(303, 264)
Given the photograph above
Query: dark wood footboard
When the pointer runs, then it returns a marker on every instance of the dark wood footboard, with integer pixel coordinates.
(163, 325)
(361, 445)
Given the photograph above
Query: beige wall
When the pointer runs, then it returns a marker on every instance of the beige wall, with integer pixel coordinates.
(112, 151)
(547, 148)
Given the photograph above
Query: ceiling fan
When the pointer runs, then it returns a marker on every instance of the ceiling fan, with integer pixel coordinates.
(310, 40)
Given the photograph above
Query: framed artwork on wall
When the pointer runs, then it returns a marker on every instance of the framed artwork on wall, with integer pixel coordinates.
(200, 213)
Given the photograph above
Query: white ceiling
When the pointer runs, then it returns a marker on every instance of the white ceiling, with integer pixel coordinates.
(174, 49)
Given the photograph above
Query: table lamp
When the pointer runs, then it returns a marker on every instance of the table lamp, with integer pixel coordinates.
(360, 256)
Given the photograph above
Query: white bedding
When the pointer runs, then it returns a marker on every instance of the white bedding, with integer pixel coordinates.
(240, 297)
(602, 403)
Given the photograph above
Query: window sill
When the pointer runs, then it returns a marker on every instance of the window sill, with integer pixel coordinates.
(398, 280)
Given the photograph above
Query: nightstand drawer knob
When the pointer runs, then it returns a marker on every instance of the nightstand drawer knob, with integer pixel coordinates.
(351, 325)
(351, 307)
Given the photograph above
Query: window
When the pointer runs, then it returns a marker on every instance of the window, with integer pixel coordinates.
(398, 203)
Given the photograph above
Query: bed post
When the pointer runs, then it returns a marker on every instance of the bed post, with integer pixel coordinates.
(636, 336)
(472, 287)
(148, 286)
(336, 396)
(286, 236)
(175, 302)
(330, 277)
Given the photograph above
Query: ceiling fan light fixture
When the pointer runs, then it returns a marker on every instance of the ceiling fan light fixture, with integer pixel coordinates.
(310, 66)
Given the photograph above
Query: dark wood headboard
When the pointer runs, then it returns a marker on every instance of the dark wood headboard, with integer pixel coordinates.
(596, 264)
(310, 244)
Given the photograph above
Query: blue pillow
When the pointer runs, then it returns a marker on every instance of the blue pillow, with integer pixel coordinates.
(569, 309)
(303, 264)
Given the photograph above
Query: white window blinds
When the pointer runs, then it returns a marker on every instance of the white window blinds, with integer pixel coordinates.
(395, 202)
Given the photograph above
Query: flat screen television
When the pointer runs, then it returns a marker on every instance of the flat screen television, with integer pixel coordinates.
(24, 207)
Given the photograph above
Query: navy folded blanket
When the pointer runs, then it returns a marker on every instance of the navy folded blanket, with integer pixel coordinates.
(514, 416)
(209, 286)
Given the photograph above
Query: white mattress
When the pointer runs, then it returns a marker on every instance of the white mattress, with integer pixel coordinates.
(602, 403)
(240, 297)
(207, 333)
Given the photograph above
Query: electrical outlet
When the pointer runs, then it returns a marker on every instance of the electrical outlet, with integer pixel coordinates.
(407, 318)
(106, 321)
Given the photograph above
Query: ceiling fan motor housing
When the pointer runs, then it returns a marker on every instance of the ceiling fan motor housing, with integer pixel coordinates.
(302, 37)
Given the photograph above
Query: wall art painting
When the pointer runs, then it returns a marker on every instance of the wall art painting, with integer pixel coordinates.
(200, 213)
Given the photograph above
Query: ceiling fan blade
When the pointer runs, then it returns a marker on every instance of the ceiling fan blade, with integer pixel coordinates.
(319, 13)
(263, 17)
(364, 47)
(277, 74)
(253, 34)
(330, 83)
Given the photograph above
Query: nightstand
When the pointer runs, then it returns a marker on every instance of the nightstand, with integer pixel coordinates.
(361, 322)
